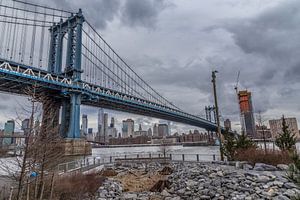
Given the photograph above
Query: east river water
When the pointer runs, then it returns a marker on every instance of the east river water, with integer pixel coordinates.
(205, 152)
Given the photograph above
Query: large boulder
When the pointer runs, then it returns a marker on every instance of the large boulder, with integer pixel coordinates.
(264, 167)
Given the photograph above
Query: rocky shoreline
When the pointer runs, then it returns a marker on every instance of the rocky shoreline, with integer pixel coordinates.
(208, 181)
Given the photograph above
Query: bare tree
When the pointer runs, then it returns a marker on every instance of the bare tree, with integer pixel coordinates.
(43, 148)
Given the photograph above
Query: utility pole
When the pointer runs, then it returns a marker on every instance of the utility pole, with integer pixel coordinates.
(217, 113)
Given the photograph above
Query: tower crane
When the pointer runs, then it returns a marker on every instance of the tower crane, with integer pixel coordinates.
(237, 95)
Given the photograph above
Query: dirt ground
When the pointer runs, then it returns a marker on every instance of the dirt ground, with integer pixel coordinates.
(138, 181)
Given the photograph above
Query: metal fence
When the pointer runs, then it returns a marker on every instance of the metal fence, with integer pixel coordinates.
(92, 162)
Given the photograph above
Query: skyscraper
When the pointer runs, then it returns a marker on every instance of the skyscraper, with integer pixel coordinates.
(9, 129)
(128, 128)
(169, 128)
(102, 135)
(112, 122)
(112, 131)
(163, 130)
(149, 132)
(155, 130)
(100, 122)
(105, 127)
(26, 126)
(247, 118)
(84, 126)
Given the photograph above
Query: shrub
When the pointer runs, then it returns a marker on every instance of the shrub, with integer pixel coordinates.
(234, 143)
(77, 186)
(255, 155)
(286, 141)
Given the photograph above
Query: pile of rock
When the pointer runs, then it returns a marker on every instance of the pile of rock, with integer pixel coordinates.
(213, 181)
(199, 181)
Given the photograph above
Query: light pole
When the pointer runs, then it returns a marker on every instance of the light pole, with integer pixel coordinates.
(217, 113)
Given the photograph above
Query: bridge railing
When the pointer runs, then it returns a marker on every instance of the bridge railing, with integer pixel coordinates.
(92, 162)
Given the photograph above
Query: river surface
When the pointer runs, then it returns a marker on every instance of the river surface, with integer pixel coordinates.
(205, 152)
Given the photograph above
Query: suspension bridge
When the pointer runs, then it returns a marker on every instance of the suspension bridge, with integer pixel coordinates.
(60, 54)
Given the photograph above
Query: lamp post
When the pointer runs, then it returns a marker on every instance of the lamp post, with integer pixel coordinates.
(217, 113)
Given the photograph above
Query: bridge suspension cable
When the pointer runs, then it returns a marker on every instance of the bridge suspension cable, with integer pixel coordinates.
(24, 25)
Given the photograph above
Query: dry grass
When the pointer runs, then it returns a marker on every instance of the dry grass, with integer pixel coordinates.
(77, 186)
(108, 173)
(260, 156)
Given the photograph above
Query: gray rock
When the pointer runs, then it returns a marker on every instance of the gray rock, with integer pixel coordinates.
(129, 196)
(278, 183)
(175, 198)
(290, 185)
(165, 193)
(204, 197)
(281, 197)
(247, 167)
(191, 183)
(263, 179)
(264, 167)
(181, 191)
(289, 193)
(282, 167)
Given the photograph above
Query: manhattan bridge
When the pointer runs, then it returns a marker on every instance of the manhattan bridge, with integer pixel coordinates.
(63, 56)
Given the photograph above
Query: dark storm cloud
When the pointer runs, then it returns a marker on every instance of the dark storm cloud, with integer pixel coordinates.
(273, 35)
(142, 12)
(98, 12)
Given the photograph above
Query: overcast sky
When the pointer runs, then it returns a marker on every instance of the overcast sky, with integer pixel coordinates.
(174, 45)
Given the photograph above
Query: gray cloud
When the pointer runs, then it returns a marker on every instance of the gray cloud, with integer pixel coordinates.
(187, 42)
(142, 12)
(98, 12)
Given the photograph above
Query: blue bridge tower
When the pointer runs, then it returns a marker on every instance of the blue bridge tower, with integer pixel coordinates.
(72, 29)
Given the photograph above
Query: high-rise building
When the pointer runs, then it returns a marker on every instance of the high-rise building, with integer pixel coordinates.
(276, 126)
(105, 127)
(112, 131)
(140, 132)
(84, 126)
(128, 128)
(227, 124)
(169, 128)
(100, 122)
(247, 117)
(163, 130)
(155, 130)
(26, 126)
(149, 132)
(112, 122)
(90, 135)
(102, 134)
(9, 129)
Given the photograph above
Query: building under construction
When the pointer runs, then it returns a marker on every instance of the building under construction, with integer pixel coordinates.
(246, 109)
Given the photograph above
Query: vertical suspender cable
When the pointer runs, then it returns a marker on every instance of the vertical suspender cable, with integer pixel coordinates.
(42, 41)
(13, 48)
(22, 37)
(33, 38)
(3, 32)
(9, 32)
(24, 41)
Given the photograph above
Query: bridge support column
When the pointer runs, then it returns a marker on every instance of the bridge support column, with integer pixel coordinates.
(65, 118)
(50, 118)
(74, 123)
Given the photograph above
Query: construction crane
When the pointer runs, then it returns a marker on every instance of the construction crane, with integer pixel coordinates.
(237, 95)
(237, 83)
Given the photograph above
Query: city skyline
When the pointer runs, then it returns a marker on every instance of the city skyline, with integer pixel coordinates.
(190, 69)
